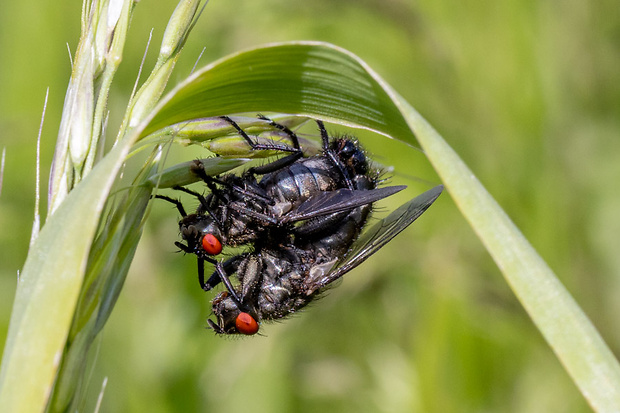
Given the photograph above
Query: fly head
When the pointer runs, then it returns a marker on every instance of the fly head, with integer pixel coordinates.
(351, 155)
(230, 317)
(202, 234)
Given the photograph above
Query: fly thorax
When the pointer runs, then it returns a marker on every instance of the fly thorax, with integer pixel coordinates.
(364, 182)
(238, 223)
(350, 155)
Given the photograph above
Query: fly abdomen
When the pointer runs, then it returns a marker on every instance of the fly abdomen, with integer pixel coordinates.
(301, 180)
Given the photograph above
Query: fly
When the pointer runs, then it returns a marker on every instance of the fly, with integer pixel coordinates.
(276, 283)
(302, 221)
(295, 200)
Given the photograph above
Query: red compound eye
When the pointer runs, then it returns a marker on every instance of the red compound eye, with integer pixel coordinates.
(246, 324)
(211, 244)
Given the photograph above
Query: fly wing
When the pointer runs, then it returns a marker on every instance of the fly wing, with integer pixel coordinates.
(329, 202)
(380, 234)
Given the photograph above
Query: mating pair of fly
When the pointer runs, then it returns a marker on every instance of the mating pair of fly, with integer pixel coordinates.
(304, 223)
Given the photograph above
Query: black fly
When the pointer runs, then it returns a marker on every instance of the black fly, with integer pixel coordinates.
(302, 220)
(296, 198)
(277, 283)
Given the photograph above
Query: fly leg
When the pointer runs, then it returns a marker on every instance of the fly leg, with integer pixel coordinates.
(181, 208)
(332, 156)
(226, 203)
(230, 266)
(320, 224)
(203, 202)
(282, 162)
(255, 214)
(249, 271)
(295, 150)
(220, 271)
(198, 168)
(273, 146)
(212, 182)
(174, 201)
(179, 204)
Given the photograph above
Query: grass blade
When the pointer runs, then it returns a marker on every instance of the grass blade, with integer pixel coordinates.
(48, 291)
(569, 332)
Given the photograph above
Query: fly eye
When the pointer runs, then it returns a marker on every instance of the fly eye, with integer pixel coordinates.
(211, 244)
(246, 324)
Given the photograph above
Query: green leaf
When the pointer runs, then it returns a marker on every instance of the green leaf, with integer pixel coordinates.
(567, 329)
(304, 78)
(49, 288)
(181, 175)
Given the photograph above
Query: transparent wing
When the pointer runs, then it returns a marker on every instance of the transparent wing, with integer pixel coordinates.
(329, 202)
(380, 234)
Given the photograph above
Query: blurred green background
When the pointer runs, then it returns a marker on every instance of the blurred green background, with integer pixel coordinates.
(527, 92)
